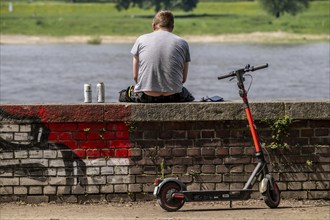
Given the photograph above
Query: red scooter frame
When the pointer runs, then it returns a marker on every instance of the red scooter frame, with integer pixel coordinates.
(171, 193)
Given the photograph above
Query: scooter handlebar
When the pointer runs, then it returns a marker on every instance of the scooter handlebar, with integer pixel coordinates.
(254, 68)
(248, 68)
(227, 75)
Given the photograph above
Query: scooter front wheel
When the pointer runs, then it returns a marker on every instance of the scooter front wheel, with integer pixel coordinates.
(166, 200)
(272, 197)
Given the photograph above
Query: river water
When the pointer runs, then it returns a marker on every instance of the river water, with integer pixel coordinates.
(56, 73)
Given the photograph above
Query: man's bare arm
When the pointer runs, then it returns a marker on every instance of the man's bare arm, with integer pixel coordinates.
(185, 72)
(135, 68)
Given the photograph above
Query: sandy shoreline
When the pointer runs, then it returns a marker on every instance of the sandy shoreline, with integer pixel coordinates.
(248, 37)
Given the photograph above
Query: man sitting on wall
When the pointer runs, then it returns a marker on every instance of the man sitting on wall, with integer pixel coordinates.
(160, 65)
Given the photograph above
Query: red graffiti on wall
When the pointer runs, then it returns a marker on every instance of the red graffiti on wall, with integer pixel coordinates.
(86, 140)
(92, 140)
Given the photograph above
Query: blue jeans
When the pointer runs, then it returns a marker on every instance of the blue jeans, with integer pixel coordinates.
(128, 95)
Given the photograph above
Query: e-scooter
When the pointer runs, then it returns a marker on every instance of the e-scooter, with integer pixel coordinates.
(171, 193)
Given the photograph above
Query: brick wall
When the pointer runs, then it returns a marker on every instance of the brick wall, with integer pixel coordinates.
(83, 153)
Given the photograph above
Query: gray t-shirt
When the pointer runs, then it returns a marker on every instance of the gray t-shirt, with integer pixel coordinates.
(162, 56)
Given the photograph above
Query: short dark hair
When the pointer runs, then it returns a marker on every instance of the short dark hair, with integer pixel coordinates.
(164, 19)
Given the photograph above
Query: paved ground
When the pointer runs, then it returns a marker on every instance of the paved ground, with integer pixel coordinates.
(252, 209)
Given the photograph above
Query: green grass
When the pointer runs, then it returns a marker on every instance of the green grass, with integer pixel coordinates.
(210, 18)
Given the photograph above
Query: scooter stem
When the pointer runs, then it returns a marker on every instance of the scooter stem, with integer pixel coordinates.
(253, 130)
(243, 94)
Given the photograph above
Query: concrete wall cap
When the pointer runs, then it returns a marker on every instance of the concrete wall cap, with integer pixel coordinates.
(192, 111)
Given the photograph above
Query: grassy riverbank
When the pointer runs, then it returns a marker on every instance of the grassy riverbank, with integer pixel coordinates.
(210, 18)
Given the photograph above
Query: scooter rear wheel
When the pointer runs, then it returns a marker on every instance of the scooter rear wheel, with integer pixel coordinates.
(272, 197)
(165, 199)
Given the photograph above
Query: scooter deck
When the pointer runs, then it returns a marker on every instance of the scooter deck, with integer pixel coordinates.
(217, 195)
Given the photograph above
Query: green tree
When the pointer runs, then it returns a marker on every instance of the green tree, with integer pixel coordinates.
(279, 7)
(185, 5)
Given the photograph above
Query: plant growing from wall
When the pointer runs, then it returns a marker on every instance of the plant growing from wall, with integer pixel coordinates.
(309, 163)
(131, 126)
(102, 130)
(280, 130)
(162, 169)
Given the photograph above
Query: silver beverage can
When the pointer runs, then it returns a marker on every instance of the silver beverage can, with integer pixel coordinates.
(100, 92)
(87, 93)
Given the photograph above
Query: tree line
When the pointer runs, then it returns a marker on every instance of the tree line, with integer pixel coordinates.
(275, 8)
